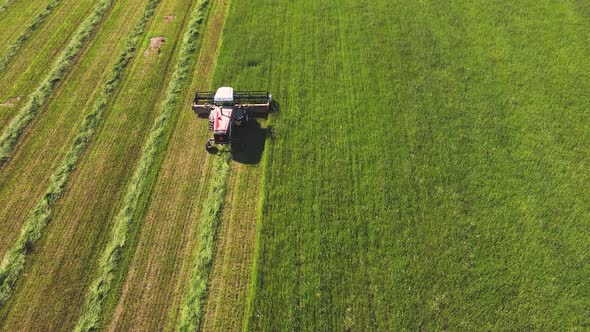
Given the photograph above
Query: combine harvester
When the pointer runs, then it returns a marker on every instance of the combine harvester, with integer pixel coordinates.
(226, 108)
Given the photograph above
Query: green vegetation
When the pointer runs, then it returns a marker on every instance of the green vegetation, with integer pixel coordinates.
(425, 168)
(148, 299)
(37, 99)
(426, 163)
(111, 259)
(25, 35)
(5, 4)
(74, 237)
(192, 309)
(22, 75)
(13, 262)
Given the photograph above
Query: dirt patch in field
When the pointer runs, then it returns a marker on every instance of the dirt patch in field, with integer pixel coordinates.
(10, 102)
(155, 45)
(169, 18)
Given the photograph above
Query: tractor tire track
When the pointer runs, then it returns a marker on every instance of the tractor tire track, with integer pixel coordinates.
(226, 305)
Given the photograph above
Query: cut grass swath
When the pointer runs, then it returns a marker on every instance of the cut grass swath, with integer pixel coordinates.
(158, 137)
(37, 99)
(32, 230)
(25, 35)
(192, 308)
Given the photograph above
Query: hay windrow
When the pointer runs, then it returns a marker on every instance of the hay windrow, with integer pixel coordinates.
(5, 5)
(109, 263)
(39, 97)
(40, 216)
(25, 35)
(193, 306)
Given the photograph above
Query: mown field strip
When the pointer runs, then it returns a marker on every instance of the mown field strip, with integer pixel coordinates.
(25, 35)
(38, 218)
(23, 74)
(110, 263)
(81, 226)
(158, 273)
(45, 143)
(11, 133)
(14, 22)
(192, 310)
(232, 266)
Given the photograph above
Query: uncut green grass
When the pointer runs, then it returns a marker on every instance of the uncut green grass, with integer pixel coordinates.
(427, 165)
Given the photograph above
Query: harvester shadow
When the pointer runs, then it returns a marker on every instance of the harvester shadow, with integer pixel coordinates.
(250, 143)
(252, 139)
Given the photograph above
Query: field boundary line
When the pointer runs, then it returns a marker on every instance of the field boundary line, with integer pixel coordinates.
(37, 99)
(40, 216)
(25, 35)
(158, 138)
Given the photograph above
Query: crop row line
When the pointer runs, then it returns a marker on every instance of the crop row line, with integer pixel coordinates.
(41, 214)
(25, 35)
(37, 99)
(192, 308)
(158, 137)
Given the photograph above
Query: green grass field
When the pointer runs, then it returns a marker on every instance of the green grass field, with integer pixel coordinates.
(425, 169)
(427, 163)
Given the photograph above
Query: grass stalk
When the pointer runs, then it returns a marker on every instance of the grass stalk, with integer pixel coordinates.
(37, 99)
(40, 216)
(25, 35)
(110, 261)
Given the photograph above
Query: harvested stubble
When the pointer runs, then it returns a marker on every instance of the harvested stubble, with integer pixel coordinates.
(37, 99)
(192, 309)
(159, 135)
(33, 228)
(25, 35)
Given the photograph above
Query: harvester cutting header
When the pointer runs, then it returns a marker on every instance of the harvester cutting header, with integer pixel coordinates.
(226, 108)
